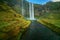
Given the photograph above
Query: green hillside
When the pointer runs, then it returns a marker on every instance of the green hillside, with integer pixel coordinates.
(51, 16)
(12, 24)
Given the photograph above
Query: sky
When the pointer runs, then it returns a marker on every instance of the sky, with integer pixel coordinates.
(42, 1)
(56, 0)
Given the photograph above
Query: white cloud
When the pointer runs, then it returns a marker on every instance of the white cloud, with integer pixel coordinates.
(55, 0)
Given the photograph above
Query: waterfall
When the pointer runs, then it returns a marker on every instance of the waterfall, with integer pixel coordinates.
(23, 8)
(31, 11)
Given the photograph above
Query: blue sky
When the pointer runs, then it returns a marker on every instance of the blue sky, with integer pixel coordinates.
(38, 1)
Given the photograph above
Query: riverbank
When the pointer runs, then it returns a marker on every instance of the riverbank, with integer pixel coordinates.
(54, 25)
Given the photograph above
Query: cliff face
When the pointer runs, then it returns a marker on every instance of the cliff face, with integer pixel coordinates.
(17, 6)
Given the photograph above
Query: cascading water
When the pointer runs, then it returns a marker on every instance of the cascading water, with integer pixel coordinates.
(31, 11)
(23, 8)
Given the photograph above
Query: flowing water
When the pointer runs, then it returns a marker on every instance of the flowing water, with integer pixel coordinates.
(31, 11)
(23, 8)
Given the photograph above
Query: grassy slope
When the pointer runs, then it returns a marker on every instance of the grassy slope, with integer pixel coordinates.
(54, 25)
(52, 21)
(11, 23)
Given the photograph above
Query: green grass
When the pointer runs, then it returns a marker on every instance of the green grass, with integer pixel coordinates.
(11, 23)
(53, 24)
(2, 24)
